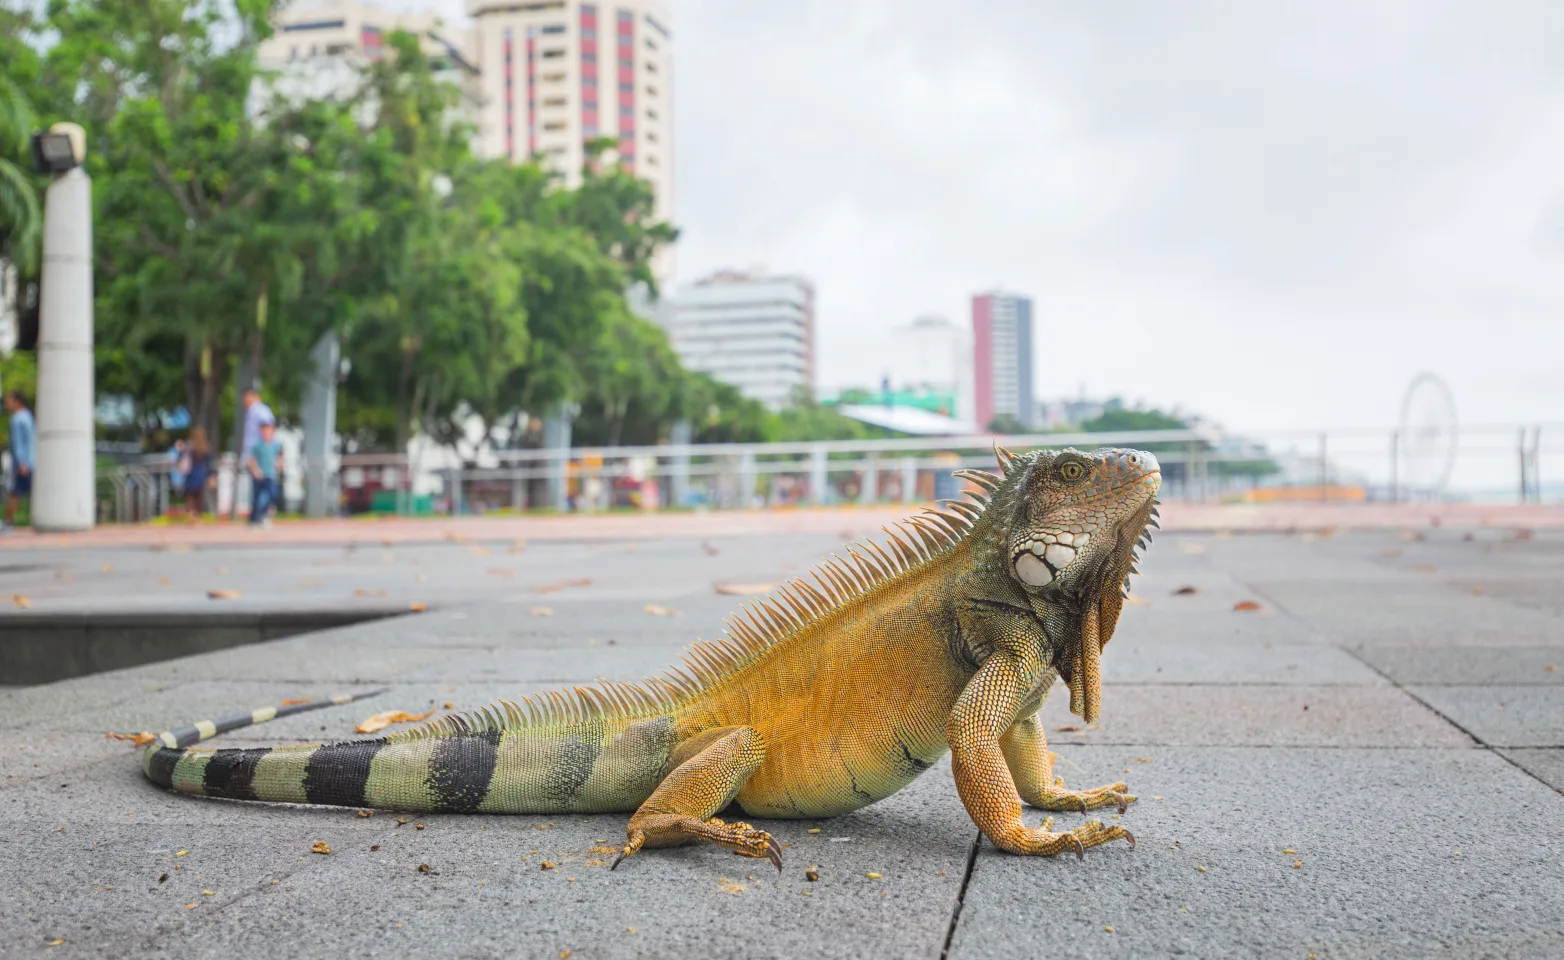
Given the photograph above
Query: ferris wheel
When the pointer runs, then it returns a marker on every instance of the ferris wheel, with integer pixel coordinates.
(1428, 437)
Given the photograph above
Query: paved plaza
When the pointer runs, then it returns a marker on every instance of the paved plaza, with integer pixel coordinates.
(1366, 765)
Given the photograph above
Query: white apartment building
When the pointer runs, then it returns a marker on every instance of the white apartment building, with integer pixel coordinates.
(317, 48)
(753, 331)
(934, 355)
(557, 73)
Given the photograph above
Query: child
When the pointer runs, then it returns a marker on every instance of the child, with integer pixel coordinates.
(264, 463)
(199, 476)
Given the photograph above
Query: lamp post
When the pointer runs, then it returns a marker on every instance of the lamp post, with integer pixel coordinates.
(63, 490)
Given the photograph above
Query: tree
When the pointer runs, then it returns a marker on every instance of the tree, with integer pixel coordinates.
(21, 216)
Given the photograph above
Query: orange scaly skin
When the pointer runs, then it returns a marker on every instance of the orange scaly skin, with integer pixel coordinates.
(821, 699)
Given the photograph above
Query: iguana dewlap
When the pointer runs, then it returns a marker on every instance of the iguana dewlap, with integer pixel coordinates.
(819, 700)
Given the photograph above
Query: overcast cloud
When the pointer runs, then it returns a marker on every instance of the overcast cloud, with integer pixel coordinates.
(1272, 214)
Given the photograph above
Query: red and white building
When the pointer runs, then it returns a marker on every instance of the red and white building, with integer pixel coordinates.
(1002, 358)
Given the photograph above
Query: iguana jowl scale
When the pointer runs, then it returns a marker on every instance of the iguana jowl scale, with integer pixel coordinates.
(821, 699)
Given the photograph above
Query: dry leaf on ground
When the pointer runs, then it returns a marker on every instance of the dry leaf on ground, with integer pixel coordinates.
(320, 846)
(361, 592)
(21, 601)
(1245, 606)
(542, 611)
(382, 720)
(295, 701)
(418, 607)
(139, 739)
(743, 589)
(1185, 591)
(223, 594)
(657, 611)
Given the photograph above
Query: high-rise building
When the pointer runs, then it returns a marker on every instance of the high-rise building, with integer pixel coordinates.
(750, 330)
(1002, 358)
(932, 355)
(557, 73)
(318, 48)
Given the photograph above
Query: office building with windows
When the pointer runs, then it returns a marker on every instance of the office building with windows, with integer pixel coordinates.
(751, 330)
(1002, 359)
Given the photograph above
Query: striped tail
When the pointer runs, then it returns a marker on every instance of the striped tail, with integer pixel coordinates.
(260, 773)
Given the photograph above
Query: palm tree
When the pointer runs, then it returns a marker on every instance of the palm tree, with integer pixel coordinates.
(21, 220)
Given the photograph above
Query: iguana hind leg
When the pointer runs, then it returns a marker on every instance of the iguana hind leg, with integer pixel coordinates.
(681, 810)
(1025, 747)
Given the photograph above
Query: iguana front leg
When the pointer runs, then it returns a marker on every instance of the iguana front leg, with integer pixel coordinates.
(1025, 747)
(681, 809)
(986, 709)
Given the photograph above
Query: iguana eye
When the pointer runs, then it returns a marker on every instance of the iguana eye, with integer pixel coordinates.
(1072, 471)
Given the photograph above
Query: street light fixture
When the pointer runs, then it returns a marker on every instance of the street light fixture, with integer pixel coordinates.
(59, 150)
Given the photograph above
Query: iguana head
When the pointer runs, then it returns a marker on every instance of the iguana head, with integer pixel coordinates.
(1077, 523)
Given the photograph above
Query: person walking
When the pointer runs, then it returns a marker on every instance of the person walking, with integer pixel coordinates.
(265, 460)
(179, 456)
(24, 453)
(199, 476)
(256, 412)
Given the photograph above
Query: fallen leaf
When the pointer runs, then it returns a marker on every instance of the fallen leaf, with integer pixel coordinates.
(874, 876)
(295, 701)
(418, 607)
(423, 868)
(708, 549)
(164, 581)
(1106, 928)
(1185, 591)
(361, 592)
(518, 546)
(1245, 606)
(603, 849)
(448, 705)
(55, 942)
(190, 906)
(382, 720)
(579, 582)
(743, 589)
(1067, 728)
(547, 865)
(208, 893)
(814, 829)
(729, 886)
(1288, 850)
(1201, 869)
(1551, 667)
(565, 953)
(1478, 591)
(812, 874)
(139, 739)
(1142, 759)
(657, 611)
(1297, 864)
(320, 846)
(21, 601)
(108, 568)
(366, 813)
(542, 611)
(181, 853)
(418, 826)
(500, 572)
(223, 594)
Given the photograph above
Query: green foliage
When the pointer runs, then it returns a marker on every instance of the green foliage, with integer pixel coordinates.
(805, 419)
(235, 226)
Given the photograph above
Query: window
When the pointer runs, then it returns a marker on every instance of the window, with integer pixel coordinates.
(554, 28)
(553, 125)
(589, 82)
(626, 86)
(651, 44)
(651, 114)
(627, 111)
(651, 67)
(627, 65)
(651, 161)
(553, 77)
(553, 54)
(651, 137)
(555, 101)
(651, 91)
(588, 57)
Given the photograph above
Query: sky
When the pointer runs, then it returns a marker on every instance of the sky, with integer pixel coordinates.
(1273, 214)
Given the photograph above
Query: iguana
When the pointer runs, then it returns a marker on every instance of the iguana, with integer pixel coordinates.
(820, 699)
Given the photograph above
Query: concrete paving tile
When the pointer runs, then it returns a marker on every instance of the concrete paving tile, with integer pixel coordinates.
(486, 894)
(1484, 665)
(1503, 716)
(1411, 614)
(42, 755)
(1378, 876)
(571, 665)
(312, 660)
(1134, 660)
(1545, 763)
(1253, 715)
(30, 706)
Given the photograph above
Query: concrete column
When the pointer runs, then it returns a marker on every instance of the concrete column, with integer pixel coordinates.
(556, 439)
(909, 480)
(817, 476)
(679, 465)
(747, 474)
(870, 481)
(320, 424)
(63, 490)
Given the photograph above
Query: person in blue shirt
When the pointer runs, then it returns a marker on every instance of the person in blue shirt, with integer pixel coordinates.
(264, 461)
(24, 452)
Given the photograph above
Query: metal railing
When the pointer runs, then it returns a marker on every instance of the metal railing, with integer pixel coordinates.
(1341, 464)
